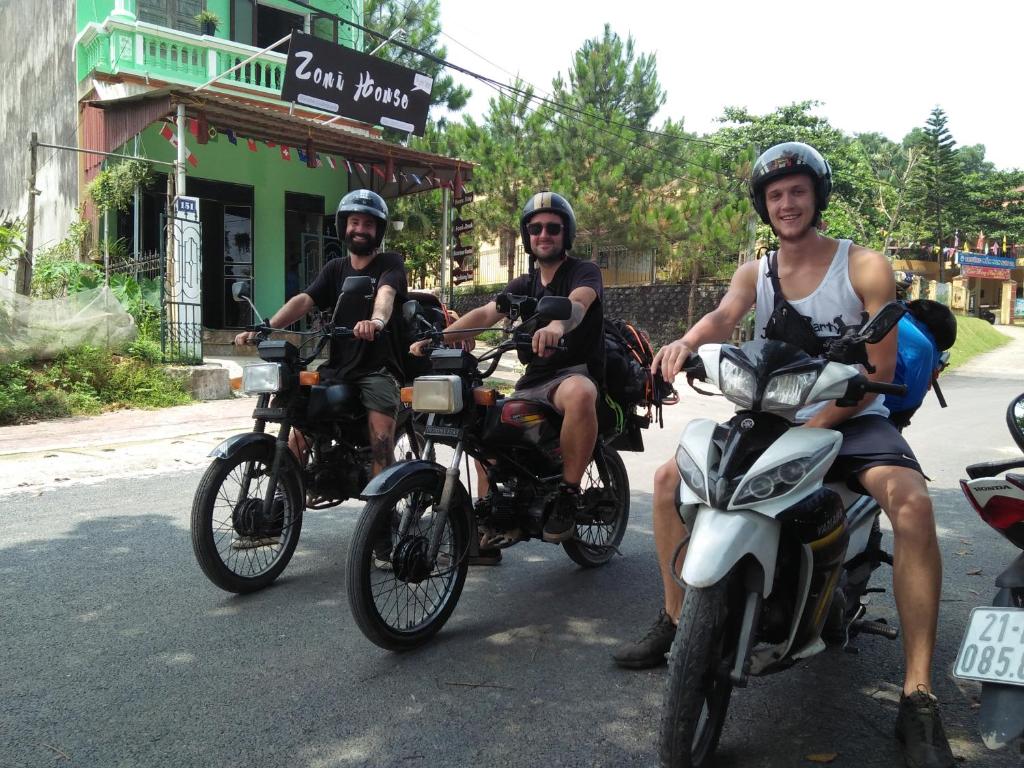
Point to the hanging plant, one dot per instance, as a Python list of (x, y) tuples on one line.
[(114, 187), (208, 22)]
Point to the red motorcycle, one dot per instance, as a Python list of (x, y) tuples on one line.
[(992, 650)]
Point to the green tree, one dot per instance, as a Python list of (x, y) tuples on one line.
[(937, 185), (505, 147), (598, 153)]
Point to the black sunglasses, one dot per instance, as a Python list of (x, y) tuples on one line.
[(551, 227)]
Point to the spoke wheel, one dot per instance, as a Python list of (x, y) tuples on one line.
[(398, 596), (595, 542), (238, 546), (699, 687)]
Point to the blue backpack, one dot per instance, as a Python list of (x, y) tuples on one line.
[(920, 356)]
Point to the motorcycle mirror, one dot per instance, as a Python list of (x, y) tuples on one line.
[(411, 310), (502, 302), (554, 308), (878, 327), (1015, 420), (362, 285)]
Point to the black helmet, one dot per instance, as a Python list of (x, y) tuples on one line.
[(939, 320), (547, 202), (362, 201), (784, 160)]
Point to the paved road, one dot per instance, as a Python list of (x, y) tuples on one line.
[(116, 650)]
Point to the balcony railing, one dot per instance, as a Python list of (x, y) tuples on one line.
[(163, 54)]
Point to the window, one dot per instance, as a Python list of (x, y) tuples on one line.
[(176, 14)]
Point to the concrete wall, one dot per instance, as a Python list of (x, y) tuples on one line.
[(38, 95), (658, 309)]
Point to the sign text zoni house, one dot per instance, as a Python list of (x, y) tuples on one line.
[(344, 82)]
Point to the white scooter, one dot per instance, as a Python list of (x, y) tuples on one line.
[(778, 561)]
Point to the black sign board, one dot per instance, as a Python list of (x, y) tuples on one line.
[(463, 251), (462, 275), (467, 197), (462, 226), (345, 82)]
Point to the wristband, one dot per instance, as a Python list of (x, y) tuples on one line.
[(378, 320)]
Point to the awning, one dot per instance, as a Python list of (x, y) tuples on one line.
[(390, 169)]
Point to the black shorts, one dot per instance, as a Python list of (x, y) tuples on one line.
[(869, 441)]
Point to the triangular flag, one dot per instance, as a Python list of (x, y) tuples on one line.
[(270, 144), (251, 143), (378, 170), (330, 162), (416, 179), (231, 136), (193, 126), (303, 157), (348, 166), (286, 153), (362, 168), (192, 159)]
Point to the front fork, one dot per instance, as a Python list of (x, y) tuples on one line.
[(280, 446)]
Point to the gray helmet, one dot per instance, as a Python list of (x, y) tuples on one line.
[(548, 202), (786, 159), (362, 201)]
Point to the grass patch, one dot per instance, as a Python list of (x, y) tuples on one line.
[(974, 336), (84, 381)]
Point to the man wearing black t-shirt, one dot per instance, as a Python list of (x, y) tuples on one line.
[(567, 380), (370, 363)]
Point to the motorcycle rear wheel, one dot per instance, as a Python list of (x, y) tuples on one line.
[(595, 543), (401, 601), (699, 687), (236, 550)]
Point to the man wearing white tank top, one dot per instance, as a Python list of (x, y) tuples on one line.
[(831, 283)]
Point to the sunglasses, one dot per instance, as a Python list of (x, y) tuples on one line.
[(551, 227)]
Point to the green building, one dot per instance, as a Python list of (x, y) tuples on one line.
[(268, 174)]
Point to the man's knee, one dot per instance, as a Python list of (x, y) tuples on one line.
[(913, 513), (577, 393), (666, 483)]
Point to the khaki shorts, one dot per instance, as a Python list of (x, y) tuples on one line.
[(378, 391), (544, 392)]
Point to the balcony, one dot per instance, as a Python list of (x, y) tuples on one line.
[(163, 56)]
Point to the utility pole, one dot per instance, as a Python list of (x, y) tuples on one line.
[(23, 275)]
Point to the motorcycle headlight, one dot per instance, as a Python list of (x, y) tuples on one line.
[(437, 394), (788, 390), (691, 473), (736, 383), (260, 378), (776, 480)]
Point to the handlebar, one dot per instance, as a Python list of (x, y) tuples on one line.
[(884, 388)]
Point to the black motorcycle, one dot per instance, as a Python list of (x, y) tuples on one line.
[(423, 514), (247, 510)]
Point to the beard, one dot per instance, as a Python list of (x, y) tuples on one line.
[(362, 246), (552, 259)]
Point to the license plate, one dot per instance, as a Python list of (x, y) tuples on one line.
[(993, 647)]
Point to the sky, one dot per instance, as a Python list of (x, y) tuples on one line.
[(876, 66)]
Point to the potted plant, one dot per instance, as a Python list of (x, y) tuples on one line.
[(208, 22)]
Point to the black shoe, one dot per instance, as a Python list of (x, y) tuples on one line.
[(651, 649), (919, 730), (561, 523)]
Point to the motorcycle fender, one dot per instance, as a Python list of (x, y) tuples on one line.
[(719, 540), (1001, 717), (396, 473), (1013, 576), (235, 443)]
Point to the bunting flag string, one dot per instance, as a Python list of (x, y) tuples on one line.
[(167, 131)]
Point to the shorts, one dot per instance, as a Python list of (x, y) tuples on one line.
[(543, 392), (869, 441), (378, 390)]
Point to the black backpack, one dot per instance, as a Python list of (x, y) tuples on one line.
[(628, 357), (434, 312)]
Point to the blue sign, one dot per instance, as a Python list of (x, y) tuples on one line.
[(1018, 307), (986, 260)]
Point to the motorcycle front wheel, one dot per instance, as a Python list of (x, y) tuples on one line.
[(608, 504), (239, 547), (399, 596), (699, 686)]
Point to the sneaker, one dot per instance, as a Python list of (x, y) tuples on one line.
[(919, 730), (382, 555), (650, 650), (561, 523)]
